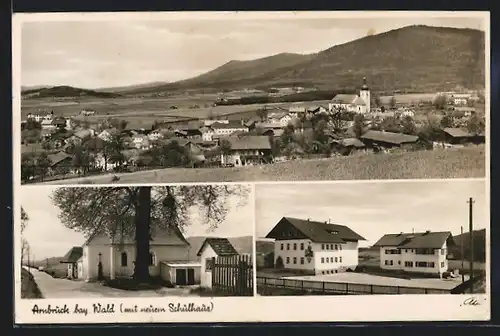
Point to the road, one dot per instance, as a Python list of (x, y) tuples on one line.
[(54, 288)]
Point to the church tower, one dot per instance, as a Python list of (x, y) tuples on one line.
[(364, 93)]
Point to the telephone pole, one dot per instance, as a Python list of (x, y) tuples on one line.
[(471, 235), (462, 251), (28, 253)]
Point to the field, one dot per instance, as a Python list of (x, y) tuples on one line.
[(370, 279), (467, 162)]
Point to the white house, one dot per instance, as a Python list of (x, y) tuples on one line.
[(213, 248), (226, 129), (141, 141), (460, 98), (279, 116), (155, 135), (71, 260), (107, 134), (117, 255), (424, 252), (314, 247), (359, 103)]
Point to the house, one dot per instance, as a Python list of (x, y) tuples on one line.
[(80, 136), (347, 146), (358, 103), (297, 111), (423, 252), (60, 162), (155, 135), (317, 109), (279, 116), (314, 247), (47, 124), (246, 150), (374, 139), (71, 259), (116, 255), (456, 136), (59, 122), (460, 98), (213, 248), (141, 141), (87, 112), (228, 128), (207, 133), (108, 134)]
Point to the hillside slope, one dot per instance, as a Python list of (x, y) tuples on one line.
[(413, 58), (66, 92), (479, 245)]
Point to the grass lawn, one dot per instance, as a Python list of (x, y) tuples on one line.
[(29, 288), (467, 162)]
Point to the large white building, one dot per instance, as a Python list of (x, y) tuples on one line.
[(423, 252), (314, 247), (358, 103)]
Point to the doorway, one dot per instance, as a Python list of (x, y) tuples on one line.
[(180, 277), (190, 276)]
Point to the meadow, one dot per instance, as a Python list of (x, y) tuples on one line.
[(466, 162)]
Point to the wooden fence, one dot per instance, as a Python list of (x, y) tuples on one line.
[(233, 275), (266, 286)]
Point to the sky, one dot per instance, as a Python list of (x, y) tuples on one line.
[(98, 54), (48, 237), (373, 209)]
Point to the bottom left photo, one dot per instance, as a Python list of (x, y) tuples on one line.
[(137, 241)]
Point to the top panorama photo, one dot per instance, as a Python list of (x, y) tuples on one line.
[(236, 97)]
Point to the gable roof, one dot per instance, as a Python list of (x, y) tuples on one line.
[(344, 98), (163, 236), (320, 232), (249, 142), (457, 132), (58, 157), (221, 246), (414, 240), (230, 124), (73, 255), (389, 137)]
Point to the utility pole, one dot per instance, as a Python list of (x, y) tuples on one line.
[(471, 235), (28, 253), (462, 251)]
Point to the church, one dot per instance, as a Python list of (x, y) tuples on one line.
[(358, 103)]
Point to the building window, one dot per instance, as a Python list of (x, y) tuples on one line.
[(152, 259), (443, 251), (322, 260), (301, 246), (408, 263), (287, 260), (282, 246), (399, 262), (124, 259), (340, 259), (208, 264), (331, 247), (327, 260), (327, 246), (322, 272), (294, 260), (430, 264), (424, 264), (442, 264), (340, 247), (336, 247), (288, 246), (386, 262), (331, 259), (386, 251), (294, 246), (322, 246), (302, 260)]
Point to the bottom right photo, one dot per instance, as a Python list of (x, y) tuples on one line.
[(373, 237)]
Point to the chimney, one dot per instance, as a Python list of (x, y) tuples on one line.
[(329, 222), (412, 230)]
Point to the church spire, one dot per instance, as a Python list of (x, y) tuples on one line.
[(365, 86)]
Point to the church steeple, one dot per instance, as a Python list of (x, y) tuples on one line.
[(365, 86)]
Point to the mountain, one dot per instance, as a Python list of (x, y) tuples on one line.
[(413, 59), (479, 245), (33, 87), (242, 244), (264, 246), (66, 92)]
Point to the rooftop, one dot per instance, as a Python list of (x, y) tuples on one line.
[(389, 137), (426, 239), (221, 246)]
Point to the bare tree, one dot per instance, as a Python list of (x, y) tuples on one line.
[(138, 211), (24, 242)]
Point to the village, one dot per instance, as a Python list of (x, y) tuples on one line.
[(346, 125)]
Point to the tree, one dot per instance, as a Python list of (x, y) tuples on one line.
[(475, 124), (42, 165), (392, 102), (408, 125), (440, 102), (262, 114), (336, 122), (27, 166), (376, 100), (225, 147), (24, 219), (446, 121), (24, 242), (390, 124), (359, 125), (139, 211)]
